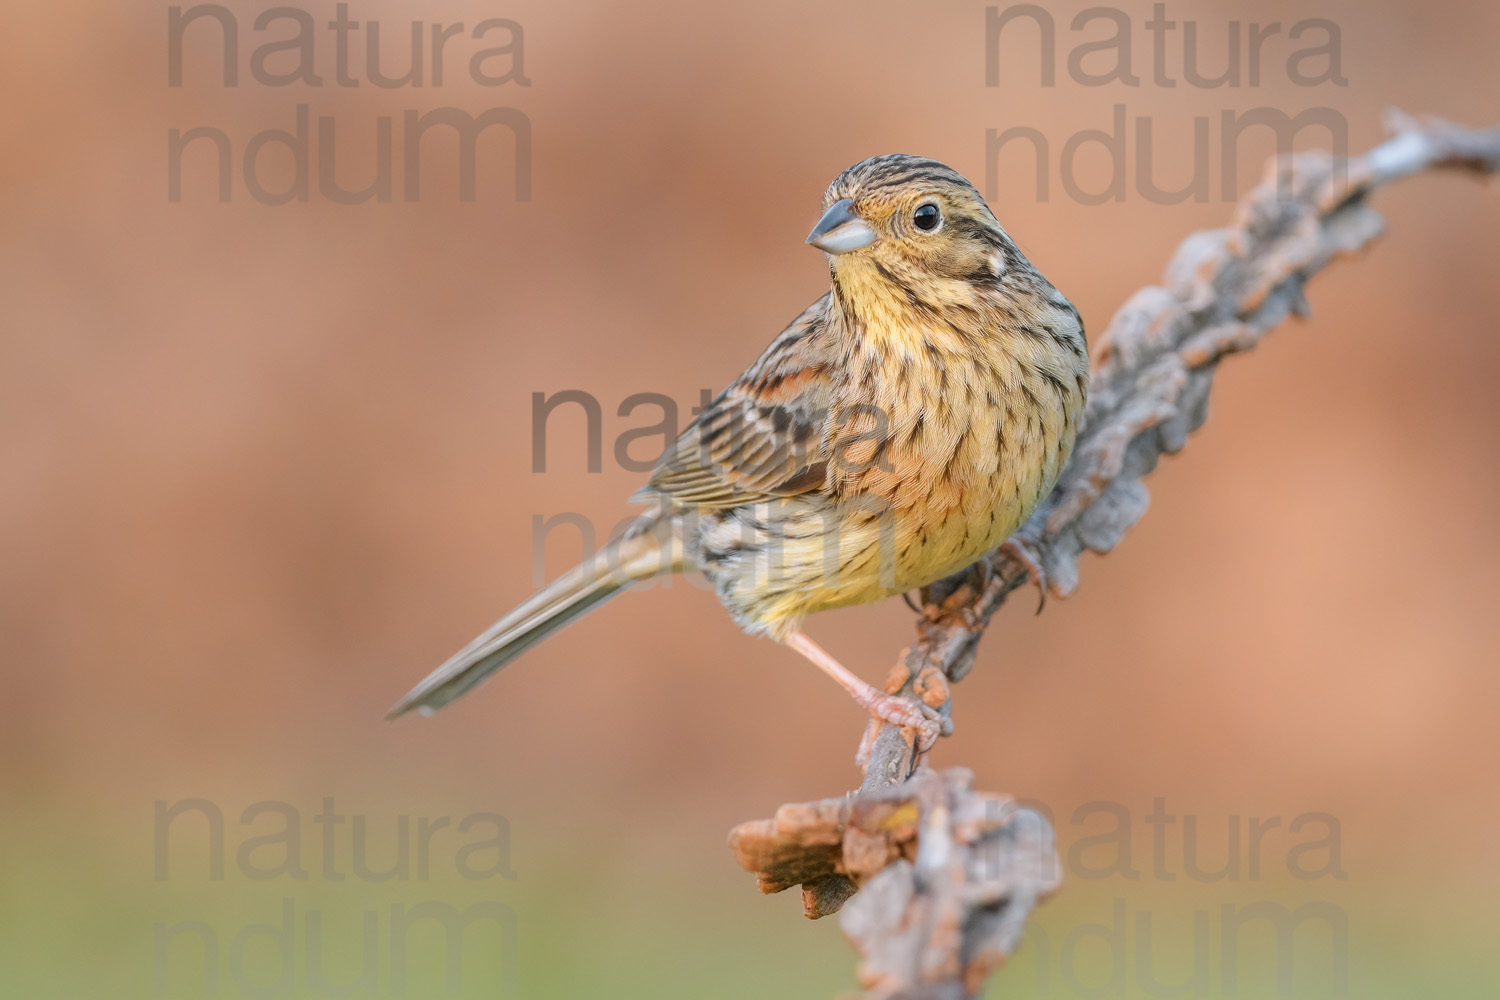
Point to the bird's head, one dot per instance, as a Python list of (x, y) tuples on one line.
[(907, 218)]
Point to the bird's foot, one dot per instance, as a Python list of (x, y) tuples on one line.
[(927, 721), (1024, 551), (931, 691), (924, 724)]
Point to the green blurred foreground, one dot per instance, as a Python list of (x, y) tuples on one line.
[(85, 914)]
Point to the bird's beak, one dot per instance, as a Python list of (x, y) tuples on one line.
[(840, 230)]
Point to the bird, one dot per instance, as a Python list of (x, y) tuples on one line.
[(901, 428)]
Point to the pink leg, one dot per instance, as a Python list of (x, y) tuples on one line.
[(887, 708)]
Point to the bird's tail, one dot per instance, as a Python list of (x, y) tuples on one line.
[(634, 557)]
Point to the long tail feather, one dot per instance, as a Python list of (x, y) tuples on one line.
[(577, 591)]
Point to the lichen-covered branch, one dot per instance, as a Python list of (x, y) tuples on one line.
[(946, 877), (925, 921)]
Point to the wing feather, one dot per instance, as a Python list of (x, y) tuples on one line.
[(764, 436)]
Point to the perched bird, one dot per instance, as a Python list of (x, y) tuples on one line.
[(902, 427)]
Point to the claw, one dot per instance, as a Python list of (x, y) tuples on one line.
[(933, 725), (1023, 551), (924, 732)]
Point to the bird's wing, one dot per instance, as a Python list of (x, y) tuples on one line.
[(764, 436)]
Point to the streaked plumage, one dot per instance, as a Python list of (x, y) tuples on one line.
[(901, 427)]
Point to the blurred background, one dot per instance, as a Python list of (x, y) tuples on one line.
[(266, 465)]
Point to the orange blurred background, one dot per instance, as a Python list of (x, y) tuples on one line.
[(265, 466)]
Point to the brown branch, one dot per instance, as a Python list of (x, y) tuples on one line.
[(943, 895)]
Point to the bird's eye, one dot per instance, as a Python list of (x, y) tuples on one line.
[(927, 217)]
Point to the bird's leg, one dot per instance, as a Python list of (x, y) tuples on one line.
[(883, 707), (1024, 551)]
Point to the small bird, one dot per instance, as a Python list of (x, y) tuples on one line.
[(901, 428)]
